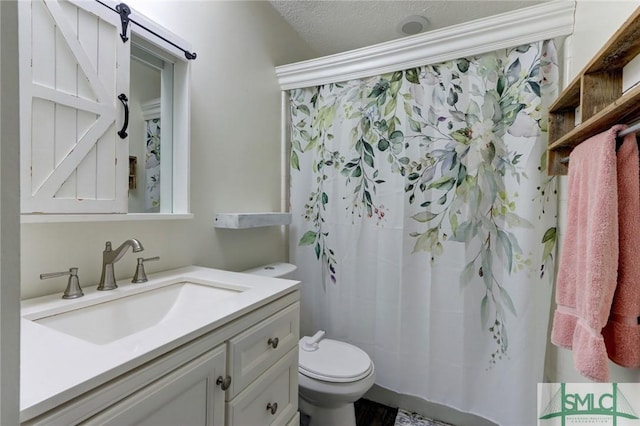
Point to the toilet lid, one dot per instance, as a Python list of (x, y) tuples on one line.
[(334, 361)]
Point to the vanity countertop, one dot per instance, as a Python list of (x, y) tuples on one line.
[(56, 367)]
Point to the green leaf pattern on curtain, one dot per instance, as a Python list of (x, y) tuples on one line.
[(442, 128)]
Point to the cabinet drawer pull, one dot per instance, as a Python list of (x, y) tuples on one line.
[(272, 407), (273, 342), (224, 383)]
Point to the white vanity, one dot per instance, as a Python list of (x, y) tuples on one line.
[(192, 346)]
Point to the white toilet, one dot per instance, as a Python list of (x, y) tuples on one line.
[(332, 375)]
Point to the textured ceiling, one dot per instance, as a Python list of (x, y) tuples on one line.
[(337, 26)]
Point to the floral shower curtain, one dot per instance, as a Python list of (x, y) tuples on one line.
[(424, 225), (152, 166)]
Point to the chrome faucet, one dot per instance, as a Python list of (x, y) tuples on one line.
[(109, 257)]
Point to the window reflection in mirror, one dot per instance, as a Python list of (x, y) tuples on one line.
[(150, 131)]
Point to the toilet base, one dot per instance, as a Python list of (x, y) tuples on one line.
[(343, 415)]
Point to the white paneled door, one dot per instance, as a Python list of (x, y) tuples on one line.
[(73, 68)]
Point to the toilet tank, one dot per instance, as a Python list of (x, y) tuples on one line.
[(274, 270)]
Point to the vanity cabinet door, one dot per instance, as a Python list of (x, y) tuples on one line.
[(187, 396), (73, 68)]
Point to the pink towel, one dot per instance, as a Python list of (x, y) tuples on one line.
[(622, 333), (588, 266)]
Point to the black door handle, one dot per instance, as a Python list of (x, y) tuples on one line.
[(123, 132)]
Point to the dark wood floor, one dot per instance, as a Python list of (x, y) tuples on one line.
[(369, 413)]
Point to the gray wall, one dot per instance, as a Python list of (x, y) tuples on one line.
[(9, 219)]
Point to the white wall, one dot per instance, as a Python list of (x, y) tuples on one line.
[(235, 155), (595, 23)]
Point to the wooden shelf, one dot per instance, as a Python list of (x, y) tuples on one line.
[(597, 91), (133, 172)]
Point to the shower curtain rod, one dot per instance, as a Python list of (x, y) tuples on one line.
[(631, 129)]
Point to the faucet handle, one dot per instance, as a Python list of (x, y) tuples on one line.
[(73, 289), (140, 276)]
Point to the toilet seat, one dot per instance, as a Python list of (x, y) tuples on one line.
[(334, 361)]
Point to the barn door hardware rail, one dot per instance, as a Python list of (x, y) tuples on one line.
[(124, 11)]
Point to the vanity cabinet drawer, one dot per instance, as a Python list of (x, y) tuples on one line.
[(252, 352), (270, 400)]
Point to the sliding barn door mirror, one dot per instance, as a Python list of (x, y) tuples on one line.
[(100, 84)]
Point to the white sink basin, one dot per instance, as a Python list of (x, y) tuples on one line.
[(69, 346), (111, 320)]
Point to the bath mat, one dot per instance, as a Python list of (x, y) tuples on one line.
[(405, 418)]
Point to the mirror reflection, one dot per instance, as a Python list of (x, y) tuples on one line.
[(150, 89)]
